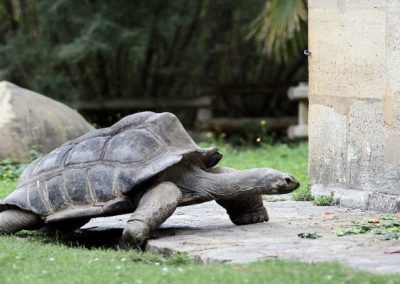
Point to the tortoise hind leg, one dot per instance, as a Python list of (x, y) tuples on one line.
[(14, 220), (244, 210), (155, 206)]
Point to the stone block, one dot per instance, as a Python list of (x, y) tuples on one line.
[(365, 4), (359, 199), (354, 199), (393, 49), (347, 197), (322, 4), (384, 202), (366, 150), (342, 64), (327, 145), (392, 150), (391, 112)]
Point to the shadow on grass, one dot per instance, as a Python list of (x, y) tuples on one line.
[(89, 239), (108, 239)]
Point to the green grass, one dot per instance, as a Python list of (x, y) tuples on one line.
[(6, 186), (34, 258), (26, 260)]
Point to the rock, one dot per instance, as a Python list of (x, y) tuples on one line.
[(205, 232), (28, 119)]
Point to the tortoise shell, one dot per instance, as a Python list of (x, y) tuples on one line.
[(92, 175)]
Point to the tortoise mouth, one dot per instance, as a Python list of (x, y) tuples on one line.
[(291, 184), (295, 185)]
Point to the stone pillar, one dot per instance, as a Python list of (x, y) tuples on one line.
[(354, 95), (299, 94)]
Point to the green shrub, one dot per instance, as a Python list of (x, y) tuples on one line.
[(10, 169), (325, 200), (302, 194)]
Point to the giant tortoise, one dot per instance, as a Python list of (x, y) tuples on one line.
[(146, 164)]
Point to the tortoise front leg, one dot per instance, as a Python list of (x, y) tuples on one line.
[(155, 206), (245, 209)]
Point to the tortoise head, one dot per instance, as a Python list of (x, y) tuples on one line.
[(276, 182)]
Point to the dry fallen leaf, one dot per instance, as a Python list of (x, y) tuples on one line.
[(392, 251), (397, 215), (328, 214), (374, 220)]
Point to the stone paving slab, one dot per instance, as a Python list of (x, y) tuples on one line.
[(205, 232)]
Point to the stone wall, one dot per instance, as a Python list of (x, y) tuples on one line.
[(354, 94)]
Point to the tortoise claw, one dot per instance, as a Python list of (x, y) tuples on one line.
[(259, 216), (134, 235)]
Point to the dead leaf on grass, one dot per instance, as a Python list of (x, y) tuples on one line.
[(392, 251), (374, 220), (328, 214)]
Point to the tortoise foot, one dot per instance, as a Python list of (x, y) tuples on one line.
[(258, 216), (134, 235)]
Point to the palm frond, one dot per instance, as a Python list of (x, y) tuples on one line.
[(281, 28)]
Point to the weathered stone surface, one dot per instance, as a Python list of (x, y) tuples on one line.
[(28, 119), (348, 198), (327, 145), (346, 47), (359, 199), (384, 202), (354, 93), (366, 140), (205, 232)]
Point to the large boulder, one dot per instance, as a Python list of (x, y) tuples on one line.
[(28, 120)]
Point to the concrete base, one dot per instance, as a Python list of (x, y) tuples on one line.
[(359, 199), (205, 232)]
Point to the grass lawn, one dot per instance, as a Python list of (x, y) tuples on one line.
[(33, 258), (287, 158), (6, 187)]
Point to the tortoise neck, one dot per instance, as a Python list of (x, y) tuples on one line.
[(185, 176), (198, 185)]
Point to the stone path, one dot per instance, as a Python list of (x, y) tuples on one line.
[(205, 232)]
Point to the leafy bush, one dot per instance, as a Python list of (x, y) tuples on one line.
[(88, 51), (302, 194), (325, 200), (10, 169)]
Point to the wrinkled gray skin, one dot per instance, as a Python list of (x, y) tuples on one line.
[(146, 164)]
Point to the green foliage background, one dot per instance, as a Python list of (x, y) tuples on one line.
[(91, 50)]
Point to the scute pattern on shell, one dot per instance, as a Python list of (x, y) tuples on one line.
[(104, 165)]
